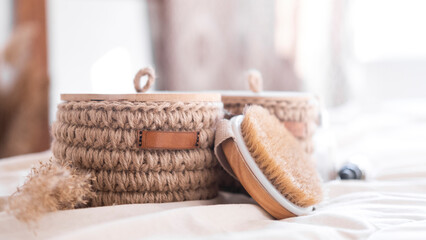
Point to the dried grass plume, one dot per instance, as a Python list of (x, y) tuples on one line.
[(49, 187)]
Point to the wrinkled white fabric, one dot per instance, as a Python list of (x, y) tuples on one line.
[(392, 205)]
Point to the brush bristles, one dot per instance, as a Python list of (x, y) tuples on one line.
[(280, 157)]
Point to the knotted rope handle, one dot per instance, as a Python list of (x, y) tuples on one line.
[(150, 73), (255, 80)]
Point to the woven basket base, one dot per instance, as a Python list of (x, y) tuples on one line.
[(111, 198)]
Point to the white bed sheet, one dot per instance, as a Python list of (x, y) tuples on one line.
[(390, 206)]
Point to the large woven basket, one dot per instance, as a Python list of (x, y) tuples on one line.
[(102, 135)]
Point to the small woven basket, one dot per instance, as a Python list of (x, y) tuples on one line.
[(141, 148), (298, 111)]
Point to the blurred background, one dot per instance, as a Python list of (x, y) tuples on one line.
[(346, 51)]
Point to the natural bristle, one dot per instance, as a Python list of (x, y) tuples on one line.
[(280, 157)]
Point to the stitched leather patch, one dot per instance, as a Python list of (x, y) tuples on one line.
[(168, 140), (298, 129)]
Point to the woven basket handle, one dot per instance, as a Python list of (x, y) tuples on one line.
[(255, 80), (150, 73)]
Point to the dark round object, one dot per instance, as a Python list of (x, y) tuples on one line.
[(350, 171)]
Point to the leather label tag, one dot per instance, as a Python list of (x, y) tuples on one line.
[(298, 129), (168, 140)]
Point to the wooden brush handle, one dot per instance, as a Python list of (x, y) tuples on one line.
[(250, 182)]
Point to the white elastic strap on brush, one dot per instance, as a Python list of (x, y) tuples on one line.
[(254, 168)]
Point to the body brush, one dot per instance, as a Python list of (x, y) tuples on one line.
[(269, 162)]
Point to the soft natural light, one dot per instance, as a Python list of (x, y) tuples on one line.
[(113, 72), (388, 29)]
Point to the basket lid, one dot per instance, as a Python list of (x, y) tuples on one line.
[(146, 97), (255, 82), (231, 96), (142, 96)]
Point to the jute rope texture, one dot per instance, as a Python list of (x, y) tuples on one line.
[(100, 138)]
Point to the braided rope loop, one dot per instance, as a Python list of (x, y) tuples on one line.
[(150, 73), (255, 81)]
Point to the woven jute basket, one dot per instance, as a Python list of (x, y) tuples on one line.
[(141, 148), (298, 111)]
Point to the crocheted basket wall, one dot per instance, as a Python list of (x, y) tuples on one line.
[(102, 135)]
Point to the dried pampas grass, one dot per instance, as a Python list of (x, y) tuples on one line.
[(50, 187)]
